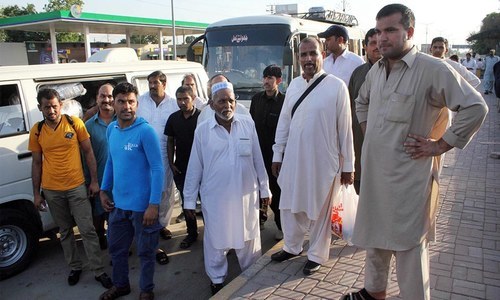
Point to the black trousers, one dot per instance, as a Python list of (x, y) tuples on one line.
[(275, 203), (191, 224)]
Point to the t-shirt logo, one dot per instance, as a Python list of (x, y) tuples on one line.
[(69, 135), (130, 146)]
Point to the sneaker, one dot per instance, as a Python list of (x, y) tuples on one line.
[(74, 277), (104, 280), (279, 235), (216, 287)]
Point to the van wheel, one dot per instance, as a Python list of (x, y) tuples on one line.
[(18, 242)]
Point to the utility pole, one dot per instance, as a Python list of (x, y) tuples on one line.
[(426, 35), (173, 30)]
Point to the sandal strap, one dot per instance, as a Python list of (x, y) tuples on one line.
[(114, 292)]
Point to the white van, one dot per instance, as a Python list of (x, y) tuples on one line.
[(122, 54), (21, 225)]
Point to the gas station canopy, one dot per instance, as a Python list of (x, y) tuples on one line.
[(91, 23)]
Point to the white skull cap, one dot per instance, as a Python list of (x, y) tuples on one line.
[(220, 86)]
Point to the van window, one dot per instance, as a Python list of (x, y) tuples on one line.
[(78, 95), (11, 113), (173, 83)]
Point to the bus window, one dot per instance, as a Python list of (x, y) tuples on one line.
[(242, 47), (242, 54)]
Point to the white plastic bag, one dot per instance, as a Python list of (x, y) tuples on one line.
[(345, 206)]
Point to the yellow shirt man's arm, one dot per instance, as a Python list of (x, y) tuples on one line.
[(36, 178), (92, 165)]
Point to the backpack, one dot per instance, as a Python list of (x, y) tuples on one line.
[(40, 124)]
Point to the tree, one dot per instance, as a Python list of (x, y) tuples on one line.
[(488, 36), (19, 35), (55, 5), (22, 36)]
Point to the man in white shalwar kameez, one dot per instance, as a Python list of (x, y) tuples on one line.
[(155, 107), (308, 151), (400, 108), (227, 169)]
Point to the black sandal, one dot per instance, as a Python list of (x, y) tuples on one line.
[(359, 295), (161, 257), (187, 242)]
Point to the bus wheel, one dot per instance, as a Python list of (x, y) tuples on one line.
[(18, 242)]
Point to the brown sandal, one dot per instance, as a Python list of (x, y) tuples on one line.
[(115, 292), (146, 296)]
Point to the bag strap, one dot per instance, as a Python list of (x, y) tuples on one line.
[(306, 92), (40, 124)]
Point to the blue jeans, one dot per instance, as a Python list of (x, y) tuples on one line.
[(122, 227)]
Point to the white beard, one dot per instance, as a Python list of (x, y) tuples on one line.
[(224, 117)]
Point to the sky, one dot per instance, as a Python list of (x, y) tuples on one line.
[(450, 19)]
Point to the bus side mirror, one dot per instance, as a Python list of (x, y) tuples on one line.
[(190, 55), (287, 56)]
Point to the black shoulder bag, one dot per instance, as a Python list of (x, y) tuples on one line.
[(309, 89)]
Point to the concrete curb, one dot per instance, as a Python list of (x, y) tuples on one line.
[(248, 274)]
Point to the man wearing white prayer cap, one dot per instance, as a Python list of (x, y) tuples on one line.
[(208, 112), (227, 169)]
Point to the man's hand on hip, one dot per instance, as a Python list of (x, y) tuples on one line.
[(425, 147)]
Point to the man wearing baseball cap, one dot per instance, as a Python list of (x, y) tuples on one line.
[(341, 62)]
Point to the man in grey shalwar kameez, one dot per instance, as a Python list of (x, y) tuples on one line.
[(403, 108)]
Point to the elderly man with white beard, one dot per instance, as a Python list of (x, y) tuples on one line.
[(227, 169)]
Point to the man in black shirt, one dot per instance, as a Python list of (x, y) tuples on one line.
[(180, 135), (265, 110)]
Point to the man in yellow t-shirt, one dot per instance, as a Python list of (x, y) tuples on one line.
[(58, 171)]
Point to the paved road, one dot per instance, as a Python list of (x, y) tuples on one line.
[(183, 278)]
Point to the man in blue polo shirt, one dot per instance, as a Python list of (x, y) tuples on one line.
[(97, 126)]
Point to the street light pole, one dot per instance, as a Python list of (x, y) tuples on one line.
[(173, 30), (426, 36)]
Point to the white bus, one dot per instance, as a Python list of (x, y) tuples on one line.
[(240, 48)]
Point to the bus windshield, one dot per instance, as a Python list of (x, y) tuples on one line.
[(242, 53)]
